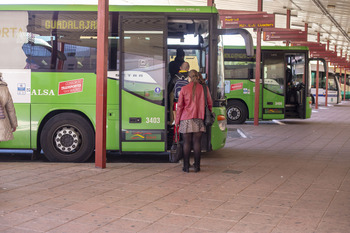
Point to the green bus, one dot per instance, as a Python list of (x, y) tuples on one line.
[(48, 59), (284, 89)]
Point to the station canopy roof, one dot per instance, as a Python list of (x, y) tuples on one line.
[(331, 18)]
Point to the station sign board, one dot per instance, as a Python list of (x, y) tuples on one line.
[(327, 55), (283, 34), (241, 20), (313, 46), (339, 61), (343, 65)]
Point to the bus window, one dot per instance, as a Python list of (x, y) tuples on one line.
[(332, 83), (143, 53), (297, 65), (274, 73), (63, 41), (239, 70), (238, 65)]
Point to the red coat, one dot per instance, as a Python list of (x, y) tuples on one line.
[(192, 109)]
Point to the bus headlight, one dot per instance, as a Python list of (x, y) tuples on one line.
[(222, 122)]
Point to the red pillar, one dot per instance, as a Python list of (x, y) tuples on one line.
[(288, 24), (345, 78), (210, 2), (344, 83), (101, 83), (317, 75), (257, 71), (306, 28), (341, 55), (326, 100)]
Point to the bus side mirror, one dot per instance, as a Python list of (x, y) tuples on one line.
[(248, 40)]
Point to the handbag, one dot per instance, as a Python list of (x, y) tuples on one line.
[(209, 117), (2, 113), (176, 151)]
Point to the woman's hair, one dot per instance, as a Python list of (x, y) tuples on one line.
[(196, 77)]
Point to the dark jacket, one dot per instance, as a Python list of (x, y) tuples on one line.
[(192, 109), (174, 66)]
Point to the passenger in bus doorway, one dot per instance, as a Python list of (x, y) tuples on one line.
[(174, 66), (181, 80), (8, 119), (189, 118)]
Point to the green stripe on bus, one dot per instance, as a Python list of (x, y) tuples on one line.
[(182, 9)]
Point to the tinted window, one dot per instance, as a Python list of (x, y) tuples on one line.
[(62, 41)]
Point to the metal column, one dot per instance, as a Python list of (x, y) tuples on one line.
[(101, 83), (257, 70)]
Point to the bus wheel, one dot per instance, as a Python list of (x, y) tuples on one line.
[(236, 112), (67, 137)]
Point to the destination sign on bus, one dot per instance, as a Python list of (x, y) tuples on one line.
[(71, 24), (237, 56), (261, 20)]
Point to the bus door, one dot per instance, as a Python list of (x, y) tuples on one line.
[(142, 84), (273, 91)]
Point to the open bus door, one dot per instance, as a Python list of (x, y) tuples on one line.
[(273, 80), (142, 83), (285, 82)]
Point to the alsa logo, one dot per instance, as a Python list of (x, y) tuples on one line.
[(42, 92)]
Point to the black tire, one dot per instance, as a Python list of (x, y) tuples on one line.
[(67, 137), (236, 112)]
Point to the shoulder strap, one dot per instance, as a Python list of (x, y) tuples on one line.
[(205, 94)]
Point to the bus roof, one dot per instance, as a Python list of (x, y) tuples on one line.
[(271, 47), (122, 8)]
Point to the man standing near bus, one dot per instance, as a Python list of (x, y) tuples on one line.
[(181, 80), (174, 68)]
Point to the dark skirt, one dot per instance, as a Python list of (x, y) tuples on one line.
[(192, 126)]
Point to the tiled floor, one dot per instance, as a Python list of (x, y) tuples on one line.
[(288, 177)]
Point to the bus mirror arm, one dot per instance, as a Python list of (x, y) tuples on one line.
[(248, 40), (321, 60)]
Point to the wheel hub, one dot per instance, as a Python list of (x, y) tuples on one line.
[(67, 139), (234, 113)]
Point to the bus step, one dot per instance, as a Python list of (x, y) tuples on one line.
[(291, 111)]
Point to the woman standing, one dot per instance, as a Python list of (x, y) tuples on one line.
[(8, 119), (189, 117)]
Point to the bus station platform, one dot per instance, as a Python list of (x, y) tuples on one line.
[(282, 177)]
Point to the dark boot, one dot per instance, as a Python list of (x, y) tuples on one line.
[(196, 165), (186, 166)]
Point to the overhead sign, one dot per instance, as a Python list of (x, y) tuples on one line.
[(258, 20), (313, 46), (282, 34), (324, 54)]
